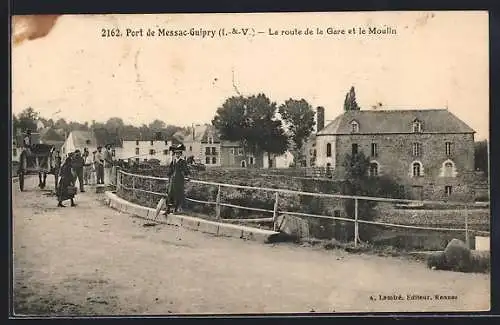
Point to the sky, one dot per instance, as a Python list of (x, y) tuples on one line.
[(435, 60)]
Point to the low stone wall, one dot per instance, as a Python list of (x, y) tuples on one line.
[(193, 223)]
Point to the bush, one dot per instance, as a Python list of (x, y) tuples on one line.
[(360, 184)]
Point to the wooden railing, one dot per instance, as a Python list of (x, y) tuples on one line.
[(275, 212)]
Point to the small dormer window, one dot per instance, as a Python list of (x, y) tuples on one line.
[(354, 127), (210, 140), (417, 126)]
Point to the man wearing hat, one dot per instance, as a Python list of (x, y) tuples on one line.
[(99, 166), (177, 171)]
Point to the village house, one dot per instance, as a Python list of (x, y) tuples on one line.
[(203, 143), (309, 150), (430, 152), (141, 150), (91, 139)]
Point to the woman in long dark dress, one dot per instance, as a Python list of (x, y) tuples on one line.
[(66, 187), (177, 171)]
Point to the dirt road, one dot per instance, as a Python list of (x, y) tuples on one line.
[(91, 260)]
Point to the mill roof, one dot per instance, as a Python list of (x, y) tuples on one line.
[(396, 121)]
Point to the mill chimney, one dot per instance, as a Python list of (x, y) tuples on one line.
[(320, 118)]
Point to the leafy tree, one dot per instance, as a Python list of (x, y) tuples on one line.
[(145, 132), (27, 119), (273, 139), (350, 103), (77, 126), (481, 156), (157, 125), (114, 124), (170, 130), (299, 118), (61, 124), (250, 121)]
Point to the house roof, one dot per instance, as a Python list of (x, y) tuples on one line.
[(200, 132), (97, 137), (397, 121)]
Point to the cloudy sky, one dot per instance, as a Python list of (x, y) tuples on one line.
[(435, 60)]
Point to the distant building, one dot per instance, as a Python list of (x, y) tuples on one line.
[(204, 144), (80, 139), (144, 150), (309, 150), (429, 151), (278, 161)]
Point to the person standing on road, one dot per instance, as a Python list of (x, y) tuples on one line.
[(66, 189), (78, 164), (87, 166), (177, 171), (108, 164), (57, 168), (99, 165), (93, 169)]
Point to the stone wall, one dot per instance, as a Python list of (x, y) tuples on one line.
[(395, 158)]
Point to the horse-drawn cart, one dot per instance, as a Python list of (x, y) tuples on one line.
[(37, 160)]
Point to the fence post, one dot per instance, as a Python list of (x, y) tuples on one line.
[(356, 229), (133, 183), (275, 210), (217, 207)]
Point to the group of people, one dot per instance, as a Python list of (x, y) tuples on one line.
[(77, 166), (97, 168), (84, 167)]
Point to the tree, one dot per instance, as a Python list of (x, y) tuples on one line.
[(77, 126), (251, 121), (170, 130), (350, 103), (61, 124), (481, 156), (113, 124), (273, 139), (299, 118), (156, 125), (27, 119)]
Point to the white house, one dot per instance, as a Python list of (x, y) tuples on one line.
[(141, 150), (80, 139), (39, 125), (281, 161)]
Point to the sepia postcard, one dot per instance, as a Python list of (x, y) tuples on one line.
[(252, 163)]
